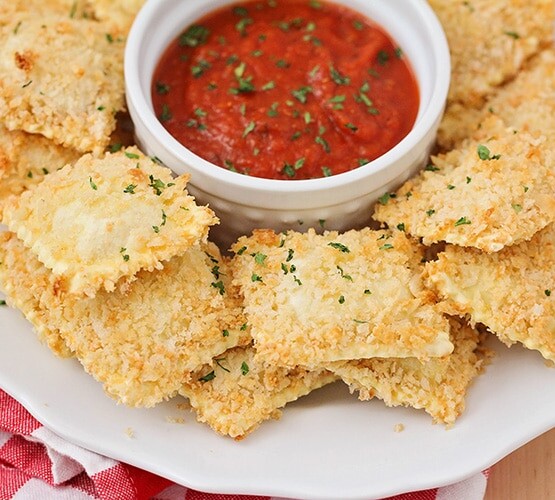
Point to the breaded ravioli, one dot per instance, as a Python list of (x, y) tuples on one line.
[(104, 219), (311, 299), (490, 40), (139, 342), (511, 292), (61, 77), (489, 193), (237, 392), (25, 159), (29, 288), (527, 104), (438, 386)]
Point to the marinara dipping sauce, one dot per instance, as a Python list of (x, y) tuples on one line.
[(286, 89)]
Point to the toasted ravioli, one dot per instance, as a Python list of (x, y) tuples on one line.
[(527, 103), (105, 219), (61, 77), (510, 292), (237, 393), (489, 193), (32, 290), (438, 386), (25, 159), (311, 299), (137, 342), (490, 40)]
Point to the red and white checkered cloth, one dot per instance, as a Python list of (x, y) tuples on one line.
[(36, 464)]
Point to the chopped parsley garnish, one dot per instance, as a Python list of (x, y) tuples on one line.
[(157, 184), (166, 114), (401, 227), (92, 184), (248, 129), (512, 34), (290, 253), (462, 221), (430, 212), (338, 77), (273, 112), (225, 333), (352, 127), (194, 36), (339, 246), (241, 251), (219, 285), (301, 94), (255, 277), (320, 140), (269, 86), (326, 171), (358, 25), (383, 57), (348, 277), (431, 168), (260, 258), (384, 199), (516, 207), (398, 52), (282, 63), (114, 148), (208, 377), (241, 26), (124, 254), (2, 302), (387, 246), (485, 154), (450, 187), (25, 85), (341, 299), (244, 368), (547, 293), (130, 189), (132, 156), (468, 180)]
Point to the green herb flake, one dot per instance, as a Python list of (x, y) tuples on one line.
[(352, 127), (516, 207), (322, 142), (485, 154), (341, 299), (547, 293), (241, 26), (130, 189), (384, 199), (260, 258), (358, 25), (194, 36), (219, 285), (2, 302), (383, 57), (468, 180), (348, 277), (124, 254), (338, 77), (282, 63), (301, 94), (248, 129), (430, 212), (208, 377), (431, 168), (225, 333), (255, 278), (401, 227), (165, 115), (244, 368), (450, 187), (387, 246), (269, 86), (462, 222), (92, 184), (339, 246), (398, 52), (512, 34), (326, 172)]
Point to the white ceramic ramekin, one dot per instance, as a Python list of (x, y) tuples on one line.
[(243, 203)]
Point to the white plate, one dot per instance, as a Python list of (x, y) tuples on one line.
[(326, 446)]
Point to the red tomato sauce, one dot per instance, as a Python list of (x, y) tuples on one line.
[(286, 89)]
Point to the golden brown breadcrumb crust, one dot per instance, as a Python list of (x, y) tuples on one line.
[(491, 192), (236, 393), (121, 213), (438, 386), (511, 292), (311, 299)]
